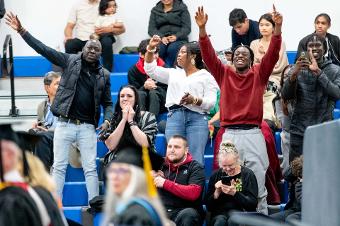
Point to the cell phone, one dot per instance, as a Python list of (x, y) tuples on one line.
[(304, 56), (226, 180)]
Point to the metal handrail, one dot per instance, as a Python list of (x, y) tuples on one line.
[(8, 70)]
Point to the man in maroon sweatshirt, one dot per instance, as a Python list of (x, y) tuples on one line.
[(180, 184), (241, 100)]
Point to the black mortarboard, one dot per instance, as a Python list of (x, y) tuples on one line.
[(7, 133), (133, 156)]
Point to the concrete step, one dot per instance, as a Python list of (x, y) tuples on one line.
[(23, 86), (26, 105)]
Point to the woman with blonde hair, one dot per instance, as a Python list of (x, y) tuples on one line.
[(127, 200), (45, 187), (232, 187)]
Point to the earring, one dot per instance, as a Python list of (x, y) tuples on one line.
[(193, 62)]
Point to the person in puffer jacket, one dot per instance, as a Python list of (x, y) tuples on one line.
[(314, 85), (180, 184)]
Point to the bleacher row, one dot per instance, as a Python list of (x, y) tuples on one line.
[(75, 194)]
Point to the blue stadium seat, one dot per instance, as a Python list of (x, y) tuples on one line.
[(98, 219), (336, 114), (75, 193), (118, 80), (77, 174), (337, 105), (101, 149), (208, 163), (291, 56), (278, 143), (123, 62), (73, 213), (31, 66), (160, 144)]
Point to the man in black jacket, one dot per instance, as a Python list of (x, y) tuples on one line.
[(83, 88), (314, 85), (180, 183)]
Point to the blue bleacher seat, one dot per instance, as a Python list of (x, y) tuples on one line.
[(291, 56), (31, 66), (101, 149), (77, 174), (75, 193), (337, 105), (278, 143), (160, 144), (73, 213), (208, 162), (118, 80), (336, 114), (123, 62), (98, 219)]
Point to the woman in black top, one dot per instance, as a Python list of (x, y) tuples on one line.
[(240, 193), (129, 128), (170, 19)]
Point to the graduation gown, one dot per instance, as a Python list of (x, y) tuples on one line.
[(18, 208)]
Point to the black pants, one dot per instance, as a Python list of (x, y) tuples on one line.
[(76, 45), (222, 220), (152, 100), (185, 217), (44, 149), (296, 146)]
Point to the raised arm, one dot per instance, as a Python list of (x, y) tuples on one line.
[(208, 53), (52, 55), (272, 56), (160, 74)]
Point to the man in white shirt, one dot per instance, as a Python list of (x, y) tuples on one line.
[(82, 19)]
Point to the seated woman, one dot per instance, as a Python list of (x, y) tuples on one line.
[(191, 94), (170, 19), (232, 187), (129, 128)]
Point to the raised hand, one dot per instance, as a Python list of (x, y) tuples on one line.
[(277, 17), (201, 17), (13, 21), (313, 66), (154, 41)]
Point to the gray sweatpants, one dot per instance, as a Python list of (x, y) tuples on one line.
[(253, 152)]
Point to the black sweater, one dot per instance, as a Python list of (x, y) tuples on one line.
[(245, 200), (175, 22)]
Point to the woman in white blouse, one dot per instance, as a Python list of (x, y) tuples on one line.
[(191, 93)]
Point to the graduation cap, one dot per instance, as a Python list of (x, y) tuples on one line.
[(7, 133), (146, 159)]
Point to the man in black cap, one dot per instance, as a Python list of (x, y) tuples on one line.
[(83, 89), (18, 201), (180, 183)]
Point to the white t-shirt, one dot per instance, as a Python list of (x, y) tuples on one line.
[(200, 84), (106, 20), (84, 15)]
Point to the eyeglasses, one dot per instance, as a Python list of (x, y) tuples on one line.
[(118, 171)]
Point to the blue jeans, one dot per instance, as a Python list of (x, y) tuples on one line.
[(85, 136), (169, 52), (193, 126)]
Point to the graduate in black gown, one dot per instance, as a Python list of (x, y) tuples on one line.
[(130, 199), (17, 207)]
